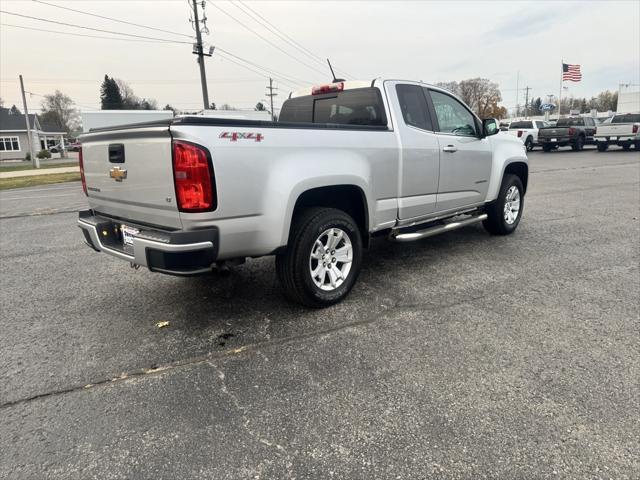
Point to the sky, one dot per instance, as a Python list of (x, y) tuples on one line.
[(516, 44)]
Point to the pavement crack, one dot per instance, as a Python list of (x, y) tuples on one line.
[(246, 420)]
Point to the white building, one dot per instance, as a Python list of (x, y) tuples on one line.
[(14, 144)]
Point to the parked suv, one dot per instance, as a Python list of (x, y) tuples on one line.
[(575, 132)]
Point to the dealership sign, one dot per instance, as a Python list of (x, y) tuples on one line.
[(547, 107)]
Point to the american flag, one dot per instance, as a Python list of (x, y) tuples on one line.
[(571, 72)]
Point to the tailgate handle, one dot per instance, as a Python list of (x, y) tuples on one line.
[(116, 153)]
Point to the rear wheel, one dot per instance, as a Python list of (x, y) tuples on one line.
[(529, 144), (546, 147), (578, 144), (323, 258), (602, 146), (505, 213), (626, 146)]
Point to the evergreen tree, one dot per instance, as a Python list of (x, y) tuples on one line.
[(110, 96), (14, 110)]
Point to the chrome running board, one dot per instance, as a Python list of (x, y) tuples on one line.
[(437, 229)]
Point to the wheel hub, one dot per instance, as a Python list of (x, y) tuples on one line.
[(512, 205), (330, 259)]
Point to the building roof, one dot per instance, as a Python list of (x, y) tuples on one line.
[(16, 122)]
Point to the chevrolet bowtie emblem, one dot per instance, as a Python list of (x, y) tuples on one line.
[(118, 174)]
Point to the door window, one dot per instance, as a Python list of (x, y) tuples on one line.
[(453, 117), (414, 106)]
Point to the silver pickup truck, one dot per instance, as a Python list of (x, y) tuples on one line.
[(345, 162)]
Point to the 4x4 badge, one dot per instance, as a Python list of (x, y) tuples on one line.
[(235, 136), (118, 174)]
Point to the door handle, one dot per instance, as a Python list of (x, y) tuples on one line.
[(450, 149)]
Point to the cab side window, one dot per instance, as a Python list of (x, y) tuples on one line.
[(414, 106), (453, 117)]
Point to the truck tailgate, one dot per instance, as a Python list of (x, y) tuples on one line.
[(129, 175), (615, 130)]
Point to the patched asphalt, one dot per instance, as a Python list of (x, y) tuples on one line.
[(459, 356)]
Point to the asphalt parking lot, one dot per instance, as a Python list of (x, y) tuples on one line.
[(459, 356)]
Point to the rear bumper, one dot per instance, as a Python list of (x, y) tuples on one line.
[(181, 253), (619, 140)]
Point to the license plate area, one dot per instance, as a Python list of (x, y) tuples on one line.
[(128, 234), (554, 139), (613, 138)]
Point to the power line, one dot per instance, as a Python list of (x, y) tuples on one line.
[(270, 26), (251, 69), (268, 70), (80, 34), (113, 19), (94, 29), (266, 39)]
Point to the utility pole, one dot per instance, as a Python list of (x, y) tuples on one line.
[(271, 95), (198, 51), (518, 94), (34, 160), (526, 102)]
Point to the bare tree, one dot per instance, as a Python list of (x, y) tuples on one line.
[(480, 94), (59, 109), (129, 100)]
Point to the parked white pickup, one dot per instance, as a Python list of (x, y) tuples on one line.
[(622, 130), (527, 131)]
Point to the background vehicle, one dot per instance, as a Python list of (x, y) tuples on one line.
[(58, 147), (347, 161), (622, 130), (571, 131), (527, 131), (74, 146)]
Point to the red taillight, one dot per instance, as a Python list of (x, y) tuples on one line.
[(635, 128), (192, 175), (81, 164), (520, 132), (572, 131), (328, 88)]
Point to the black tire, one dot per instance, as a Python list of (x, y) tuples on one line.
[(578, 144), (496, 223), (636, 145), (626, 146), (293, 266), (546, 147), (602, 147), (529, 144)]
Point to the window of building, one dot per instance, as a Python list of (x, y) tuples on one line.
[(9, 144)]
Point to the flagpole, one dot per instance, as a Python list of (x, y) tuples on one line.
[(560, 96)]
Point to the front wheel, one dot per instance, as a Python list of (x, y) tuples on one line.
[(323, 258), (602, 146), (505, 212)]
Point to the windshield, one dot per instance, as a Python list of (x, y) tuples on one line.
[(627, 118), (570, 122)]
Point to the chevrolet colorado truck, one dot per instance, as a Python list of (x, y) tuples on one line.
[(345, 162), (622, 130), (572, 131)]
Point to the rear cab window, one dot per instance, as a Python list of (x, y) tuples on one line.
[(627, 118), (570, 122), (516, 125), (359, 106)]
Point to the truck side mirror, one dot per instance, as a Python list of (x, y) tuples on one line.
[(490, 126)]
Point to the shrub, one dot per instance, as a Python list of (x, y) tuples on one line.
[(43, 154), (27, 157)]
